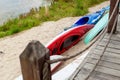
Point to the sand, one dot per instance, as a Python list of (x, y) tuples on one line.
[(12, 46)]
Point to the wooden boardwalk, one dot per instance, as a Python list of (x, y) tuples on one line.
[(109, 65)]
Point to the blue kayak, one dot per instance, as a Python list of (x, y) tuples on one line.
[(90, 19)]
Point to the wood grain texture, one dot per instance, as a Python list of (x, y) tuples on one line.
[(109, 64), (33, 62)]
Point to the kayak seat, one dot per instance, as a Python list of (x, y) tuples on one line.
[(82, 21)]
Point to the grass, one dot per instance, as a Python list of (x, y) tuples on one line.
[(60, 9)]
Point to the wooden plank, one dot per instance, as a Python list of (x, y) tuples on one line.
[(108, 71), (94, 56), (92, 60), (102, 76), (111, 41), (99, 47), (114, 37), (112, 55), (108, 49), (111, 59), (108, 54), (110, 45), (104, 63), (110, 65), (97, 51), (105, 58), (82, 75), (84, 72)]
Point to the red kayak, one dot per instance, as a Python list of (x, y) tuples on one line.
[(67, 39)]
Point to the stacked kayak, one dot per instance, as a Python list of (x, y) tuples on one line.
[(91, 18), (97, 28), (70, 36), (67, 39)]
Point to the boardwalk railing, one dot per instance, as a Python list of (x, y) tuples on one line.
[(112, 7), (33, 62), (35, 59)]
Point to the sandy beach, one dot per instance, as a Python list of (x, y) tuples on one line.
[(12, 46)]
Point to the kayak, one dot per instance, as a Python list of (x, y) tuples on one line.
[(90, 18), (96, 29), (67, 39)]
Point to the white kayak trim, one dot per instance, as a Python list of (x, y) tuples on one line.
[(68, 72)]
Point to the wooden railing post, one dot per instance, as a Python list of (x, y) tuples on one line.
[(110, 25), (33, 62)]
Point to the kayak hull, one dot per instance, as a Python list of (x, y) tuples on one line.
[(67, 39), (96, 29)]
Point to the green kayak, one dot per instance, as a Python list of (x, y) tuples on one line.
[(96, 29)]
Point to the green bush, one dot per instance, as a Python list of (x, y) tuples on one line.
[(81, 7)]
